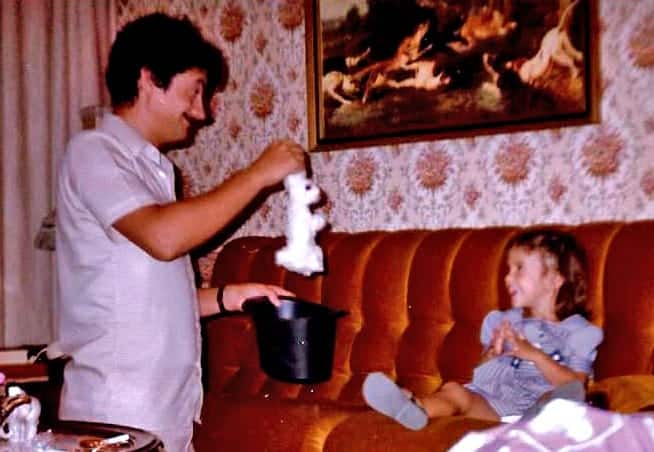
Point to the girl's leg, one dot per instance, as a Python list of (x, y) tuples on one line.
[(383, 395), (453, 399)]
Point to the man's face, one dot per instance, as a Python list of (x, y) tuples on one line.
[(179, 109)]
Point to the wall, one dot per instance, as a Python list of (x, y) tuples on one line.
[(567, 175)]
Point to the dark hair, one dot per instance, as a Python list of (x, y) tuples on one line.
[(569, 260), (166, 46)]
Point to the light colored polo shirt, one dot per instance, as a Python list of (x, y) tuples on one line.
[(130, 322)]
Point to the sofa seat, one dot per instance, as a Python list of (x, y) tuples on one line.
[(277, 425), (371, 432), (282, 425)]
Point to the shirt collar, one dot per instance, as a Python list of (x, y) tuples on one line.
[(130, 137)]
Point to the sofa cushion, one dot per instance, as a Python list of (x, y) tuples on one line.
[(276, 425), (625, 394), (373, 432), (266, 424)]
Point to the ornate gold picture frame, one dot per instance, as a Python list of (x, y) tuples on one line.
[(388, 71)]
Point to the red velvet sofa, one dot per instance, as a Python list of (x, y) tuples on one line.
[(416, 300)]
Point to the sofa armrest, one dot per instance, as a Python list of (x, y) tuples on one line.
[(624, 394)]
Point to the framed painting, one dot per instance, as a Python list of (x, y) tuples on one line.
[(389, 71)]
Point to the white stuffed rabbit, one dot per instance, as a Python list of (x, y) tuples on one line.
[(301, 253)]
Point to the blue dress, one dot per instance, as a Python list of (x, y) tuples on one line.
[(511, 385)]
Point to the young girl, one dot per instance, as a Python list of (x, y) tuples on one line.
[(544, 342)]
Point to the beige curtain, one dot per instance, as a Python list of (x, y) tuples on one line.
[(53, 54)]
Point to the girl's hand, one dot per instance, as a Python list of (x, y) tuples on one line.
[(497, 339), (519, 346), (487, 355)]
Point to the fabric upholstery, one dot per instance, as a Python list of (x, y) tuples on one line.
[(415, 302), (626, 393)]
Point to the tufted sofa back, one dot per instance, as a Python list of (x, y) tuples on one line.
[(416, 300)]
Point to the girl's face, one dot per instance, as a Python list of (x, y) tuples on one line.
[(532, 283)]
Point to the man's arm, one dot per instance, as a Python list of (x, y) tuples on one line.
[(235, 294), (172, 230)]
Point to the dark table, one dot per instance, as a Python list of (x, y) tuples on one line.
[(84, 436), (69, 432)]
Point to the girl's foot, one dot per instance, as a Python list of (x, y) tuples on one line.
[(383, 395)]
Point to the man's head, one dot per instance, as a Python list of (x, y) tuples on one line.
[(165, 46), (166, 66)]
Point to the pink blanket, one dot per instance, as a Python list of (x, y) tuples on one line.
[(564, 425)]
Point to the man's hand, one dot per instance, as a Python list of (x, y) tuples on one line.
[(279, 159), (235, 294)]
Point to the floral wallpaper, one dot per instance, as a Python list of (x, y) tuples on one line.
[(567, 175)]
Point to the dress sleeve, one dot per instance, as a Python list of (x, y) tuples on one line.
[(491, 321), (583, 344)]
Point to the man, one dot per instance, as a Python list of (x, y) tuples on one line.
[(129, 314)]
